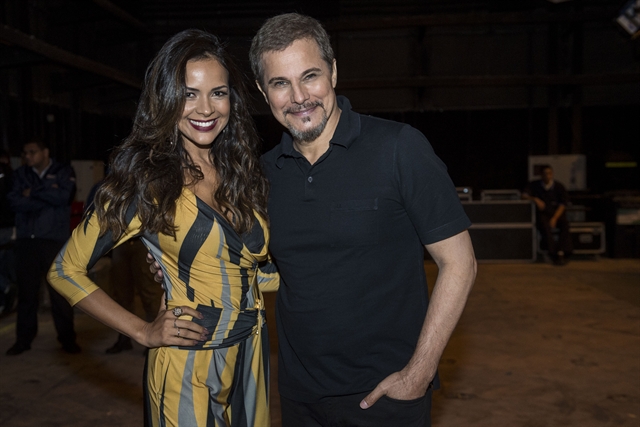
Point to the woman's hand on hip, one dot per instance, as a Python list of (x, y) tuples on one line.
[(169, 329)]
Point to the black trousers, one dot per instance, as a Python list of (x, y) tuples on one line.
[(130, 274), (33, 259), (564, 239), (345, 411)]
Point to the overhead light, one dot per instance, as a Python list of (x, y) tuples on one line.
[(629, 17)]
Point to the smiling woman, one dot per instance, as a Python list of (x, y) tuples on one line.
[(188, 181), (206, 108)]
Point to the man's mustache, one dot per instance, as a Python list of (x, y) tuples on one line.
[(305, 106)]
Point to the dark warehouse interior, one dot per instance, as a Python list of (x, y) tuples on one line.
[(488, 82), (493, 85)]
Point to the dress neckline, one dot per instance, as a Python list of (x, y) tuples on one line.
[(226, 225)]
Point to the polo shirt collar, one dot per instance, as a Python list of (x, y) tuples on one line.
[(45, 170), (347, 131)]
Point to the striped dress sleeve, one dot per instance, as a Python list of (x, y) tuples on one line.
[(69, 272)]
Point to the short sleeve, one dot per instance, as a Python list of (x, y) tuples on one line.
[(563, 197), (429, 196)]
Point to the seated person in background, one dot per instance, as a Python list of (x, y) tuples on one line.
[(551, 200)]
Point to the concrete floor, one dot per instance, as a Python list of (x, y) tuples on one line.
[(538, 345)]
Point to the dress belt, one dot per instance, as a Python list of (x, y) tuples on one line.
[(227, 328)]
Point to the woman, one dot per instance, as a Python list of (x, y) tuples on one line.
[(188, 182)]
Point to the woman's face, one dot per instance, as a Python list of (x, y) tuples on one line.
[(207, 105)]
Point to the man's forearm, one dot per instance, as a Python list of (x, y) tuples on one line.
[(558, 213), (457, 271), (24, 204)]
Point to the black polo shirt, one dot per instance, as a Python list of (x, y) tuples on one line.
[(347, 235), (553, 197)]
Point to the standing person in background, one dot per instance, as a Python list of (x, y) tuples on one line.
[(7, 237), (7, 217), (41, 196), (551, 199), (128, 275), (188, 182)]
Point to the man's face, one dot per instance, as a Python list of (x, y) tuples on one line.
[(34, 156), (547, 175), (299, 87)]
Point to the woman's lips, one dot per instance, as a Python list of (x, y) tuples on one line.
[(201, 126)]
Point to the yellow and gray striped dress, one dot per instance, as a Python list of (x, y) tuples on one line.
[(208, 266)]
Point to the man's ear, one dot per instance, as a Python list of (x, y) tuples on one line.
[(334, 74), (262, 92)]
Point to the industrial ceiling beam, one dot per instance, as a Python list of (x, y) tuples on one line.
[(492, 81), (466, 19), (249, 26), (68, 59), (122, 15)]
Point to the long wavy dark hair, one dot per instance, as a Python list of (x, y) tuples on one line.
[(148, 170)]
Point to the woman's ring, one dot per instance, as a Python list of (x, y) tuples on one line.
[(178, 331), (177, 311)]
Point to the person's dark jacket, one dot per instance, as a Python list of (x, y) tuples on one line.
[(6, 214), (46, 212)]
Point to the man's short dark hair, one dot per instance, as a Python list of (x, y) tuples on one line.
[(279, 32), (38, 141)]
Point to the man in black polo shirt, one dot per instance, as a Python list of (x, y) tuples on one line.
[(353, 201)]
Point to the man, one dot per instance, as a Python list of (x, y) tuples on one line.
[(354, 200), (7, 235), (551, 201), (41, 195)]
